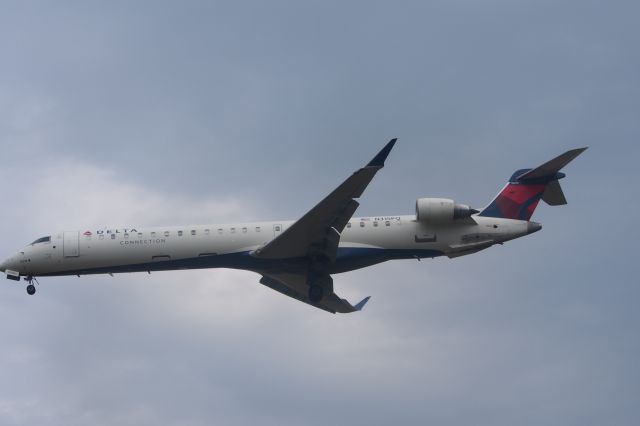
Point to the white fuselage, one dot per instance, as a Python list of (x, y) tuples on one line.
[(298, 258), (365, 241)]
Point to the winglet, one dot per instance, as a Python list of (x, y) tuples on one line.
[(378, 160), (363, 302)]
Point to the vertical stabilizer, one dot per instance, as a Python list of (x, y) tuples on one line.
[(520, 197)]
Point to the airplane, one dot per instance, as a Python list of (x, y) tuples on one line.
[(298, 258)]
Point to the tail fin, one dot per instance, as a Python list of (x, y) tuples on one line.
[(527, 187)]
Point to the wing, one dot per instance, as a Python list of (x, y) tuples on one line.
[(318, 232), (295, 286)]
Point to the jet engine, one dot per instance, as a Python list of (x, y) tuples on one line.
[(441, 210)]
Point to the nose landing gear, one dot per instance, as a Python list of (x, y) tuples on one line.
[(31, 289)]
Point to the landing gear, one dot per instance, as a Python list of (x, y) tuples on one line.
[(319, 281), (31, 289), (315, 293)]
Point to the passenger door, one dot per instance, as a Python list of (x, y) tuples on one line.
[(71, 244)]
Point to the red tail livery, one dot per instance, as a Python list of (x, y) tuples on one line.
[(527, 187)]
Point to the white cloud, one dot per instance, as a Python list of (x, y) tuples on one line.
[(78, 194)]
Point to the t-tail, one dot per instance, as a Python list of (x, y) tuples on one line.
[(520, 197)]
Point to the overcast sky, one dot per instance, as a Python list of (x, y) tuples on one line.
[(160, 113)]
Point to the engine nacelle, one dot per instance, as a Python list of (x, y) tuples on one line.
[(441, 210)]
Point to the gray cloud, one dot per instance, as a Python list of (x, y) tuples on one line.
[(163, 113)]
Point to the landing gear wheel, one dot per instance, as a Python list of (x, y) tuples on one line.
[(31, 289), (315, 293)]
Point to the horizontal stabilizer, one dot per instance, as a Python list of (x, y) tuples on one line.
[(553, 194), (551, 167)]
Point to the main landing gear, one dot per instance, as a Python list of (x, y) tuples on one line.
[(31, 289), (320, 285), (315, 293), (319, 281)]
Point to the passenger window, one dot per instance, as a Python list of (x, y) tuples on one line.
[(233, 230), (139, 234), (220, 231), (244, 230), (193, 232), (361, 224), (257, 229), (179, 233), (101, 237), (153, 235), (387, 223), (349, 225), (113, 236), (166, 233), (126, 236), (277, 229), (375, 224), (207, 232)]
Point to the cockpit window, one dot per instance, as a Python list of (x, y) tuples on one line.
[(42, 240)]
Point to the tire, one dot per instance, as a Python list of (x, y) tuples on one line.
[(31, 289)]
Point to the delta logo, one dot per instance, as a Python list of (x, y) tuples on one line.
[(87, 233)]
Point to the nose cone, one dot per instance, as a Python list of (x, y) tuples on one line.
[(8, 264), (533, 227)]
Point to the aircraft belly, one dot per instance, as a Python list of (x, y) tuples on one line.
[(240, 260)]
